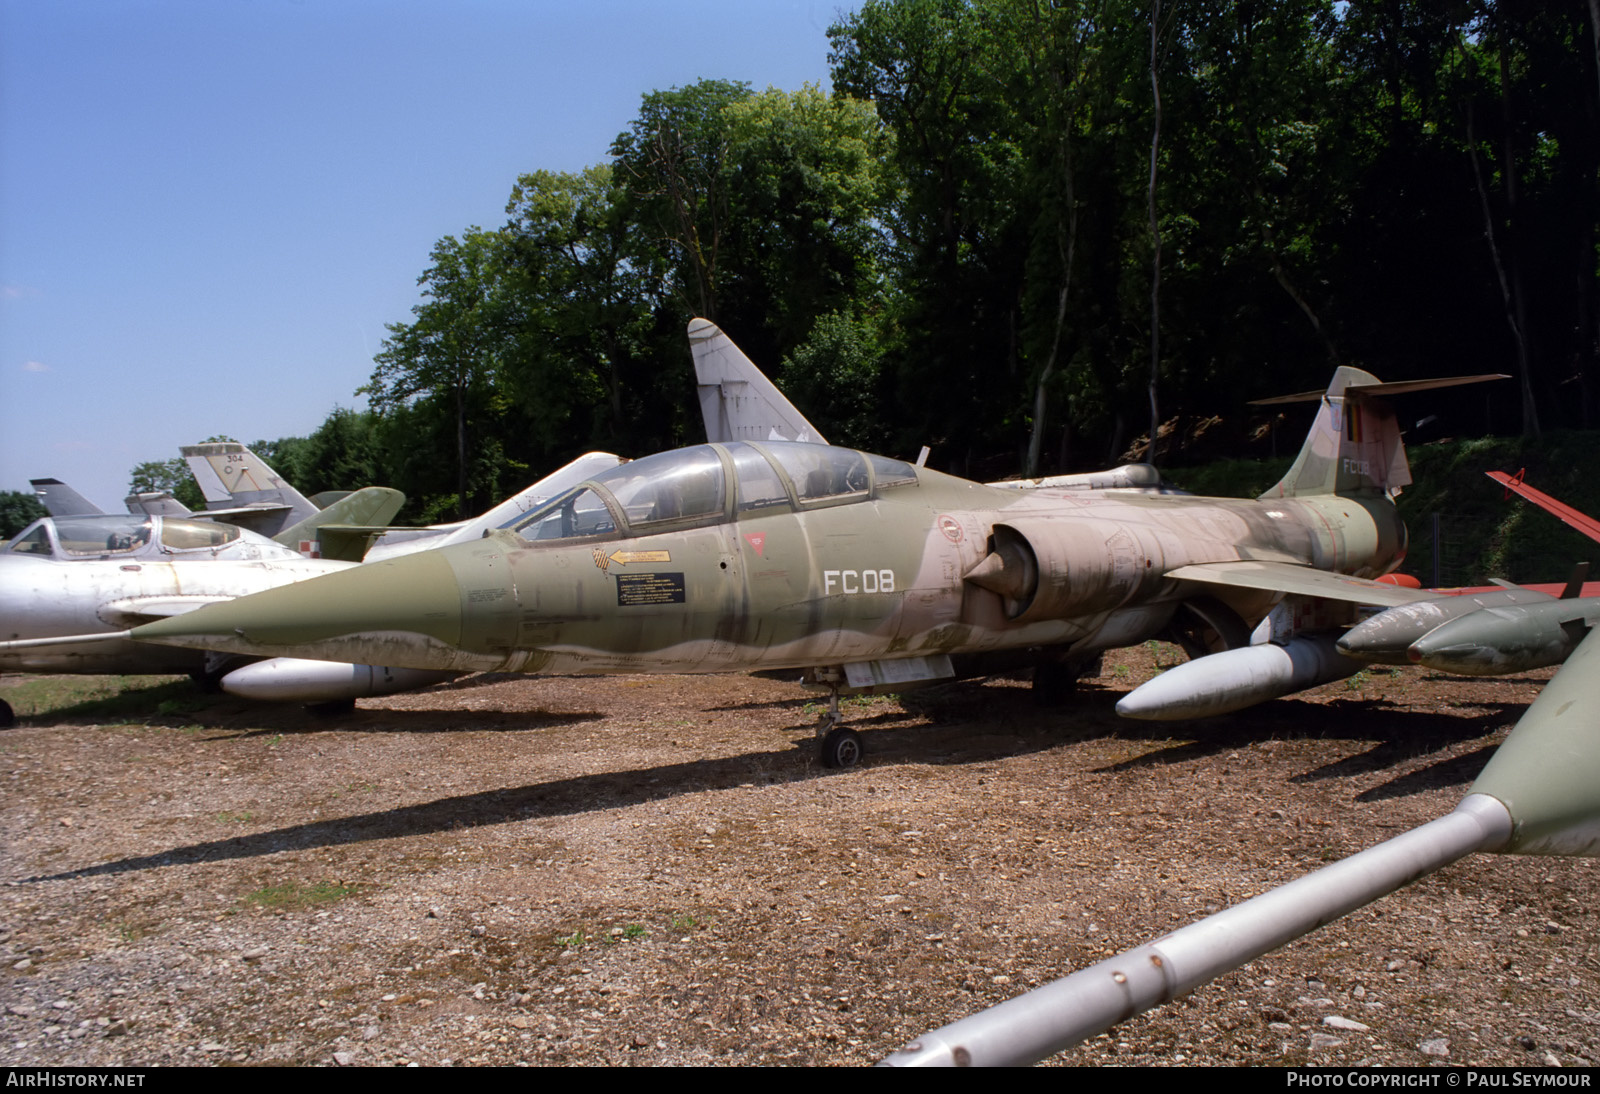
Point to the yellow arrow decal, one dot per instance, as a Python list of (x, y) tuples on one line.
[(622, 558)]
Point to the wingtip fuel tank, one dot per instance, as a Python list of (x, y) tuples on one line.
[(1496, 641), (1231, 680), (297, 680), (1384, 638)]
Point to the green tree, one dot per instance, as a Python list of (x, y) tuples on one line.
[(17, 511), (808, 191), (446, 360), (171, 476), (586, 284), (671, 163)]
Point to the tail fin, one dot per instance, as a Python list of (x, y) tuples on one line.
[(1354, 446), (233, 477), (346, 528), (156, 503), (61, 500), (736, 400)]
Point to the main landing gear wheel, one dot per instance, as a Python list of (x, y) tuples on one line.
[(841, 748), (8, 718)]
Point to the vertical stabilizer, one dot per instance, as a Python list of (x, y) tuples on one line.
[(1354, 446), (345, 529), (231, 477), (61, 500), (156, 503), (736, 400)]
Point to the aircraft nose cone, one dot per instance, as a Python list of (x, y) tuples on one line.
[(329, 617)]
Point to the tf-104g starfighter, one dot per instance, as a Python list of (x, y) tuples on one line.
[(868, 571)]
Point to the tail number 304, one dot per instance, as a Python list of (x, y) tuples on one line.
[(857, 581)]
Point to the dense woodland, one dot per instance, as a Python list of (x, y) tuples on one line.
[(1021, 230)]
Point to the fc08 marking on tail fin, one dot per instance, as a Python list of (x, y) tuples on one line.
[(851, 582)]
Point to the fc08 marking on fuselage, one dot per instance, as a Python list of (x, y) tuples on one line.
[(851, 582)]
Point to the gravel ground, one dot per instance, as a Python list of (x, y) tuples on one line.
[(655, 870)]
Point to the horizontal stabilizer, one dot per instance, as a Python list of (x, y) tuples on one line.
[(1382, 390)]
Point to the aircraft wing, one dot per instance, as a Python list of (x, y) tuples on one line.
[(1564, 513), (1285, 577)]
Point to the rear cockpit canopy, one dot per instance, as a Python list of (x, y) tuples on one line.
[(139, 536), (689, 486)]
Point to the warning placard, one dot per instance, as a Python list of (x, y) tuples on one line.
[(634, 590)]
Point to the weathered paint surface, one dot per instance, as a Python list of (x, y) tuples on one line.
[(879, 573)]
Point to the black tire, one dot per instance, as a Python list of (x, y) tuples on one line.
[(8, 717), (842, 748)]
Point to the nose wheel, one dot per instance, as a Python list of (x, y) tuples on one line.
[(838, 746), (841, 747)]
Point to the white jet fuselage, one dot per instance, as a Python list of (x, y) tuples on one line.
[(47, 598)]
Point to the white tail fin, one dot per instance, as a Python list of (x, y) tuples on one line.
[(736, 400), (233, 477)]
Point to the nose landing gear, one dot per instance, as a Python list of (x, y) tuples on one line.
[(838, 745)]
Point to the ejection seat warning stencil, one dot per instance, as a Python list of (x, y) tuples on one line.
[(634, 590)]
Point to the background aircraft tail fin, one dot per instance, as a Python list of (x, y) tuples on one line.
[(736, 400), (1354, 446), (345, 529), (232, 476), (156, 503), (61, 500)]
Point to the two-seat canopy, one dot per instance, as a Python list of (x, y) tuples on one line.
[(690, 486)]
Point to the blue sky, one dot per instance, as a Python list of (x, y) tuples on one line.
[(209, 210)]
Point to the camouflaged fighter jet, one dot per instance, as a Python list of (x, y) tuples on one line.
[(866, 571)]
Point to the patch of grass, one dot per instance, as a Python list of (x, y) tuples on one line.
[(105, 698), (353, 788), (580, 937), (129, 932), (1165, 655), (855, 701), (1358, 681), (228, 816), (683, 924), (292, 896)]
